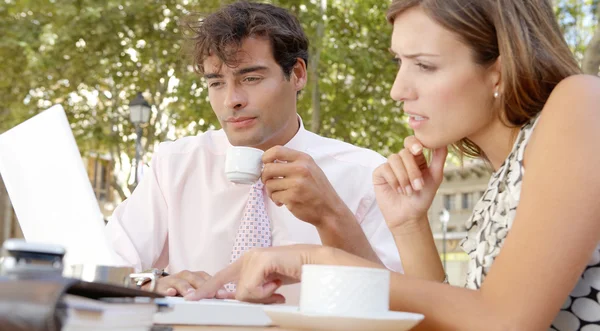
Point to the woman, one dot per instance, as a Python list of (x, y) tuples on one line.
[(495, 79)]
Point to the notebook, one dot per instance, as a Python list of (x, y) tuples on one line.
[(175, 310), (49, 188), (116, 314)]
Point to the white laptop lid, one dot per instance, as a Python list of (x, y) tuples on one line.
[(50, 190)]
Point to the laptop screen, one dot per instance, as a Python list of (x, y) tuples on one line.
[(47, 183)]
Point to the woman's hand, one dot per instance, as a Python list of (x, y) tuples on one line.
[(406, 185), (261, 271)]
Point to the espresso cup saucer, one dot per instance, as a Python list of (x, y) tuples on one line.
[(291, 317)]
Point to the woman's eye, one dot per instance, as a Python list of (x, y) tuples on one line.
[(425, 67)]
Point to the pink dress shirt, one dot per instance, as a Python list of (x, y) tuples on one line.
[(184, 214)]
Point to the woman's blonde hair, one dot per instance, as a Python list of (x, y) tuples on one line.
[(523, 33)]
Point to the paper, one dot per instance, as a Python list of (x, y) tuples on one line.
[(210, 312), (50, 190)]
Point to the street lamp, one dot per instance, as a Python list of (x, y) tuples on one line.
[(139, 114), (444, 218)]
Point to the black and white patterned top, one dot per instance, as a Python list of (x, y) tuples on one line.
[(488, 227)]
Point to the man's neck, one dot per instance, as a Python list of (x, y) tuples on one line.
[(287, 134)]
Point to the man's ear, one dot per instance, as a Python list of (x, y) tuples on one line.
[(298, 76)]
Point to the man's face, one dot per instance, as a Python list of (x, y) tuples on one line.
[(254, 101)]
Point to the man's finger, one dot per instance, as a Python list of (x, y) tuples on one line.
[(222, 293), (281, 184), (182, 286), (280, 153), (166, 286), (281, 198), (210, 287), (280, 170), (196, 279)]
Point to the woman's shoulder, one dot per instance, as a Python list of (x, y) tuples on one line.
[(571, 114), (572, 107), (575, 94)]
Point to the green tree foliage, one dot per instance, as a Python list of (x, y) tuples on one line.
[(93, 56), (579, 21)]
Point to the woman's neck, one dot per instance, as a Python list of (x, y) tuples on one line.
[(496, 142)]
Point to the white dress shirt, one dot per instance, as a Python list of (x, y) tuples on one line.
[(184, 214)]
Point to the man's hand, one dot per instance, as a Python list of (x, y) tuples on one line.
[(293, 179), (180, 284)]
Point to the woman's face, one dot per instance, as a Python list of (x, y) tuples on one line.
[(446, 95)]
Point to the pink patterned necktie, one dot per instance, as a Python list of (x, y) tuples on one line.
[(255, 227)]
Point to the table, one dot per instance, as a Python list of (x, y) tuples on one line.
[(225, 328)]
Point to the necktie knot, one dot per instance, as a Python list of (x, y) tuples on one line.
[(258, 185)]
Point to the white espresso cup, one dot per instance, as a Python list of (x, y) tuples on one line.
[(243, 165), (344, 291)]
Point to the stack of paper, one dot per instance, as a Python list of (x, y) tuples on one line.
[(110, 314), (176, 310)]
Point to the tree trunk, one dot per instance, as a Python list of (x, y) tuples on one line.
[(314, 73), (591, 58), (118, 187)]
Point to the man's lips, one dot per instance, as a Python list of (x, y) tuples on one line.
[(241, 122), (238, 119)]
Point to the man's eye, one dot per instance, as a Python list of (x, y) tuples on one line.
[(214, 84)]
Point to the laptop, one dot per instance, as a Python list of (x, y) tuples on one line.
[(50, 190)]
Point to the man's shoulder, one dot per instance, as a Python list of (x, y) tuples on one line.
[(343, 151), (211, 141)]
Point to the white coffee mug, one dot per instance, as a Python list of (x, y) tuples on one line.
[(341, 290), (243, 165)]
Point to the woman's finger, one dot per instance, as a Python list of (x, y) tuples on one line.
[(399, 170), (415, 176)]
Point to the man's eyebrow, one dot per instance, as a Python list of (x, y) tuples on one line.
[(246, 70), (212, 75), (239, 72)]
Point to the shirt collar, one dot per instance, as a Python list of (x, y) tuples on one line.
[(297, 142)]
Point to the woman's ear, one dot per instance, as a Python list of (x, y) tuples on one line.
[(496, 75)]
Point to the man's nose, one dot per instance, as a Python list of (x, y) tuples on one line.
[(235, 98)]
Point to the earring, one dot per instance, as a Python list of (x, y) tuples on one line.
[(496, 94)]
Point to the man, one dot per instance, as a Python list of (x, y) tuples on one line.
[(185, 215)]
